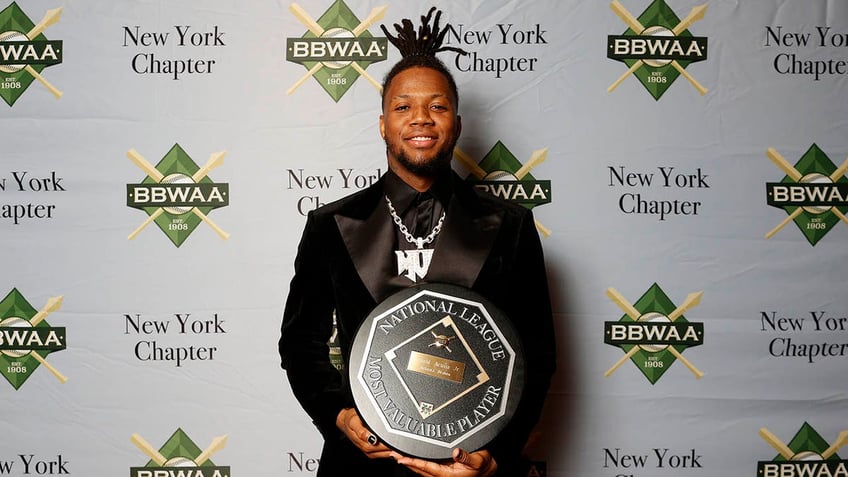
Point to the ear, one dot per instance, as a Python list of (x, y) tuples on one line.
[(382, 128), (458, 125)]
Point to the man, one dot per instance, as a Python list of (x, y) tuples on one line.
[(346, 263)]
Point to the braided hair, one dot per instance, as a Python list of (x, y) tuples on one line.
[(419, 50)]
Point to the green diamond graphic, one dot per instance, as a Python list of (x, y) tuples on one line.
[(15, 80), (656, 360), (501, 166), (178, 222), (499, 158), (807, 440), (808, 453), (18, 365), (180, 452), (657, 76), (813, 222), (179, 445), (337, 76)]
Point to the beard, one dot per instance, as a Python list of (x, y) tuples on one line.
[(432, 167)]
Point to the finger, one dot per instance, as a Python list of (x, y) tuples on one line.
[(379, 453), (419, 466), (365, 435), (473, 461), (374, 448), (355, 430), (360, 436), (365, 440), (479, 463)]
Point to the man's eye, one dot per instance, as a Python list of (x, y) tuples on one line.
[(439, 107), (402, 107)]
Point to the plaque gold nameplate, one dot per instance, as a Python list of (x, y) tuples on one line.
[(436, 367)]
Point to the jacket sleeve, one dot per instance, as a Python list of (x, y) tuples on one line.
[(527, 302), (306, 328)]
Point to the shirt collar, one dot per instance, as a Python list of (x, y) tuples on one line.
[(402, 194)]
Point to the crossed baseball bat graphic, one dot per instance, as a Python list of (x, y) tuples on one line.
[(692, 300), (796, 176), (50, 17), (788, 454), (214, 161), (216, 445), (536, 158), (376, 14), (52, 305), (697, 13)]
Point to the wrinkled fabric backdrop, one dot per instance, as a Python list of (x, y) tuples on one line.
[(654, 196)]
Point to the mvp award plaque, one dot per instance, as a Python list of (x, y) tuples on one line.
[(436, 367)]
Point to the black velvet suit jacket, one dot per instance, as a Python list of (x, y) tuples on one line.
[(486, 244)]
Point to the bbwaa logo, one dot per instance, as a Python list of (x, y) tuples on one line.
[(25, 52), (657, 47), (26, 339), (807, 454), (653, 332), (179, 457), (337, 48), (814, 193), (177, 194), (502, 175)]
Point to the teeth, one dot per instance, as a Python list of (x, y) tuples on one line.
[(422, 138)]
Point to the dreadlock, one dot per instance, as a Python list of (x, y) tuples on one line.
[(419, 50)]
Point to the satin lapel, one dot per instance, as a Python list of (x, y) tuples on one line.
[(367, 241), (463, 245)]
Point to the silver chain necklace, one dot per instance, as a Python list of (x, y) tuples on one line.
[(418, 241), (414, 263)]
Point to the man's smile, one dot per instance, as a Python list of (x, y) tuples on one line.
[(422, 141)]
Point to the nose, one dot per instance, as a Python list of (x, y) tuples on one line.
[(422, 115)]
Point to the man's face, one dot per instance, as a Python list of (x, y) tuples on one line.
[(419, 122)]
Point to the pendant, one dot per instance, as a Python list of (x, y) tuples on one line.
[(414, 262)]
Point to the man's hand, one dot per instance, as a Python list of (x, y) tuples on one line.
[(351, 425), (475, 464)]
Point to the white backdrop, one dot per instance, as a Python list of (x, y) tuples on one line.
[(217, 303)]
